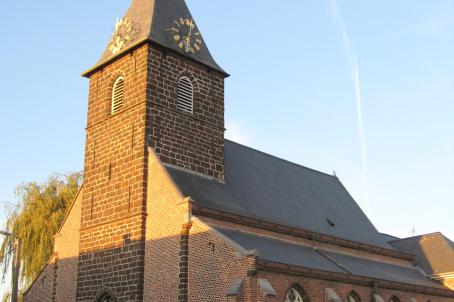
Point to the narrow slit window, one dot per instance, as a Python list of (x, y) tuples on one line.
[(118, 95), (185, 99)]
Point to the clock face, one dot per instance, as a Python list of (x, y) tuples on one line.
[(125, 31), (186, 35)]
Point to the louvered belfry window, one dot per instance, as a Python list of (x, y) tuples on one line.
[(118, 95), (185, 101)]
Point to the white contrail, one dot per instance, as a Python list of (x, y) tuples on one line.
[(353, 63)]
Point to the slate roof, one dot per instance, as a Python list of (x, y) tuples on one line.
[(389, 237), (152, 21), (280, 251), (285, 252), (381, 270), (434, 253), (265, 187)]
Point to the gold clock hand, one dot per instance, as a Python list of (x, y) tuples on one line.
[(188, 42), (188, 38), (190, 29)]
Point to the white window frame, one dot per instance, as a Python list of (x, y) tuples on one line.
[(185, 95), (116, 103)]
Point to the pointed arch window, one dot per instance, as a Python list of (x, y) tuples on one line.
[(118, 95), (353, 297), (185, 97), (296, 294), (106, 298)]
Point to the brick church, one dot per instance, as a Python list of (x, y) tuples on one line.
[(169, 210)]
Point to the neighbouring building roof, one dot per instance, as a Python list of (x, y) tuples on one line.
[(285, 252), (265, 187), (434, 253), (152, 20), (450, 242)]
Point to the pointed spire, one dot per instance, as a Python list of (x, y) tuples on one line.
[(168, 23)]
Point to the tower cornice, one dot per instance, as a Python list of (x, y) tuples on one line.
[(87, 73)]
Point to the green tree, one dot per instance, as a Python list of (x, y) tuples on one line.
[(35, 219)]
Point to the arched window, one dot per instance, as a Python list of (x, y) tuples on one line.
[(296, 294), (185, 98), (394, 299), (118, 95), (106, 295), (353, 297)]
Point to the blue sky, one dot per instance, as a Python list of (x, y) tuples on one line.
[(291, 93)]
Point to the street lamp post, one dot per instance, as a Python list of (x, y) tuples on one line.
[(16, 265)]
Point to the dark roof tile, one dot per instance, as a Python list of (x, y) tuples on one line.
[(152, 20), (262, 186), (280, 251), (286, 252)]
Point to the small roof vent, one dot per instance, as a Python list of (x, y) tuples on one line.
[(185, 98), (118, 95)]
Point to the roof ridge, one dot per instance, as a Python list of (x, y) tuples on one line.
[(416, 236), (387, 234), (73, 202), (282, 159)]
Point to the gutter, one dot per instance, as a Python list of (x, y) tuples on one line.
[(297, 232), (440, 277)]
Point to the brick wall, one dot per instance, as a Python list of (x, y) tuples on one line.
[(167, 212), (315, 289), (113, 208), (195, 142), (67, 249), (214, 264), (116, 157), (42, 289), (57, 282)]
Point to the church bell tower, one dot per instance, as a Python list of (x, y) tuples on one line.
[(155, 86)]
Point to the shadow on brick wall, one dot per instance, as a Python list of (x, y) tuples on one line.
[(202, 257)]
